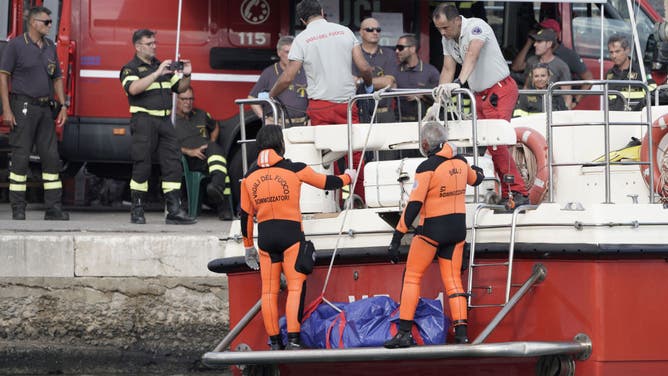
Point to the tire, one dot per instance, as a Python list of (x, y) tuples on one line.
[(235, 170)]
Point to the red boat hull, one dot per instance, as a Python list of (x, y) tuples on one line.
[(620, 304)]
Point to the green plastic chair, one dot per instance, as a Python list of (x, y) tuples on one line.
[(193, 180)]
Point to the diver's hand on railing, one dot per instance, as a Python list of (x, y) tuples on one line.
[(251, 258)]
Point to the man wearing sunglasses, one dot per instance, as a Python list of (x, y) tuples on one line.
[(31, 63), (471, 43), (413, 74), (384, 63)]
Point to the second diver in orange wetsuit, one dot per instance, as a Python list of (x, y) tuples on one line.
[(438, 197), (270, 192)]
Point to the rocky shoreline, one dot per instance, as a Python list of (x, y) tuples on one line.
[(110, 325)]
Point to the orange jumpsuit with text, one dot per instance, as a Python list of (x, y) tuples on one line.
[(270, 192), (438, 197)]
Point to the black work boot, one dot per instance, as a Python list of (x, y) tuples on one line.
[(400, 340), (276, 343), (225, 209), (176, 215), (18, 212), (215, 193), (294, 343), (56, 213), (461, 335), (137, 209)]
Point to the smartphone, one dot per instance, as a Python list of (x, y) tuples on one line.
[(175, 66)]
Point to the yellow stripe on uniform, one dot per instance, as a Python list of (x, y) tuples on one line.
[(217, 167), (142, 187), (53, 185), (47, 176), (18, 178), (135, 109), (159, 85), (168, 186), (129, 78), (17, 187), (174, 80), (216, 158)]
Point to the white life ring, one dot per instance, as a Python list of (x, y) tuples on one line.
[(536, 143), (659, 146)]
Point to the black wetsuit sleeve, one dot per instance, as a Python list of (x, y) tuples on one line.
[(411, 212)]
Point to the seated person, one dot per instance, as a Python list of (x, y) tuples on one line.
[(197, 133), (544, 45), (539, 79), (576, 65)]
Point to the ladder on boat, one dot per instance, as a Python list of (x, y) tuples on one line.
[(511, 252)]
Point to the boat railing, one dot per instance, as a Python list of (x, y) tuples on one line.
[(544, 94), (511, 251), (398, 93), (606, 123), (242, 123)]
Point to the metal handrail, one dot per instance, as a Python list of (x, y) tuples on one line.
[(606, 124), (511, 252), (538, 275), (580, 347), (242, 123), (543, 93), (413, 92)]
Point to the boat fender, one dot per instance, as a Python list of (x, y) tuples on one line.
[(538, 146), (659, 132)]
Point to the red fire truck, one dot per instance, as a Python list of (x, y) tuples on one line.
[(229, 42)]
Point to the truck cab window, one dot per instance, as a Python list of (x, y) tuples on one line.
[(5, 19), (587, 26)]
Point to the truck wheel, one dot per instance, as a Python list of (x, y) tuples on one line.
[(236, 172)]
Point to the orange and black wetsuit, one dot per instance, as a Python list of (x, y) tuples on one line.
[(270, 191), (438, 197)]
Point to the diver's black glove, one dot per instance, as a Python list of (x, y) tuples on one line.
[(478, 169), (393, 249)]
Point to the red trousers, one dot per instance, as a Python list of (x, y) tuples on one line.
[(498, 102), (323, 113)]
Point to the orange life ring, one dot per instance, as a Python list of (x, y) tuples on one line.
[(659, 142), (538, 146)]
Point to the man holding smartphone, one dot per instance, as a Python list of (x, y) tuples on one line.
[(149, 84)]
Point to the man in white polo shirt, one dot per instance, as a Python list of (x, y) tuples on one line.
[(471, 42), (326, 51)]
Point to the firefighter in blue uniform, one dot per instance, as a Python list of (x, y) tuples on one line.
[(31, 62), (149, 84)]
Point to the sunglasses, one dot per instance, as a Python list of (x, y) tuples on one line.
[(400, 47), (46, 22), (372, 29)]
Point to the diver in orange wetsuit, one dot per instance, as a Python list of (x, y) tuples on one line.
[(438, 197), (270, 192)]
